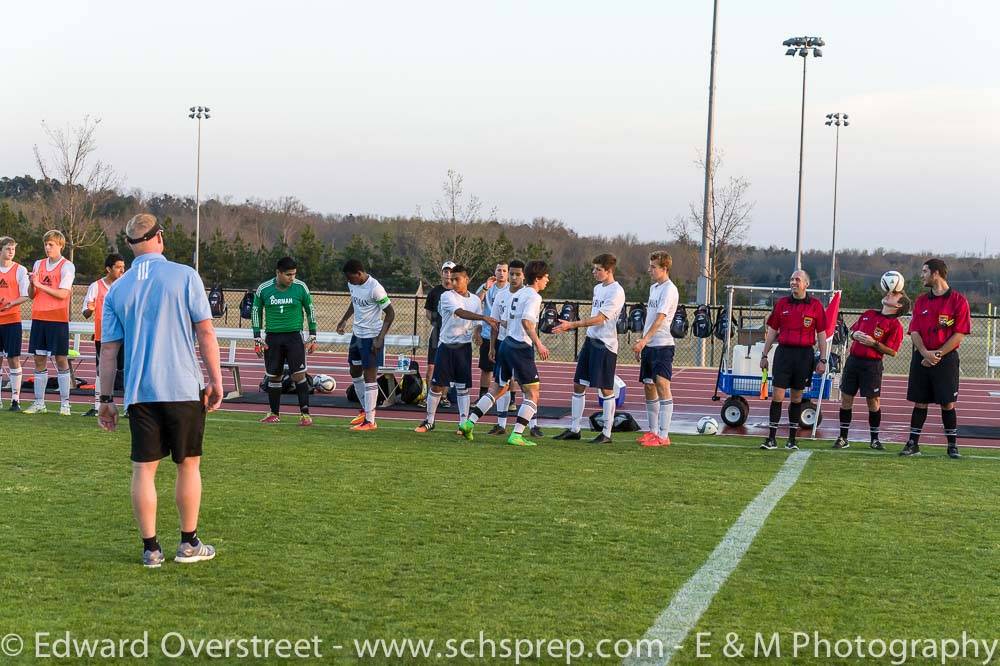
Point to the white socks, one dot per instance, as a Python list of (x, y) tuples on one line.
[(577, 404), (97, 392), (433, 400), (41, 383), (503, 404), (524, 414), (666, 413), (463, 404), (609, 415), (15, 383), (371, 400), (652, 414)]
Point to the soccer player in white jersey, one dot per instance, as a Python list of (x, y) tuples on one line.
[(595, 367), (516, 360), (488, 293), (459, 310), (367, 351), (655, 351), (13, 292)]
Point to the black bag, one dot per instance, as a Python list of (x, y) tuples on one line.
[(702, 327), (679, 326), (217, 301), (412, 386), (841, 333), (549, 318), (246, 305), (624, 422), (724, 325), (637, 318), (622, 324), (569, 312)]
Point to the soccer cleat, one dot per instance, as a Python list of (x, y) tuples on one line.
[(841, 443), (791, 446), (953, 452), (186, 553), (601, 439), (467, 429), (364, 427), (445, 402), (90, 412), (769, 444), (359, 419), (517, 439), (64, 410), (305, 420), (646, 437), (877, 445), (655, 441), (270, 418), (911, 448), (36, 408), (424, 427), (497, 430), (536, 432), (568, 434), (152, 559), (15, 406)]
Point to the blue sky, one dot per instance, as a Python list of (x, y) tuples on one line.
[(592, 113)]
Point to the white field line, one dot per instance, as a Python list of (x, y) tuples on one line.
[(693, 598)]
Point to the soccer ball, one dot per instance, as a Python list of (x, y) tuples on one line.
[(324, 383), (707, 426), (892, 281)]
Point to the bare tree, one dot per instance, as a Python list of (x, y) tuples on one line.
[(456, 211), (80, 186), (730, 224)]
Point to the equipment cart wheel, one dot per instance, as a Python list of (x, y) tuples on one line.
[(735, 411)]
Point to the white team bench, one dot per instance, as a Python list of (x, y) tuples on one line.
[(236, 335), (993, 363)]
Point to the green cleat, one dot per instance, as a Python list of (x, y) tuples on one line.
[(467, 427), (517, 439)]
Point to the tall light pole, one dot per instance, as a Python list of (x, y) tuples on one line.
[(708, 213), (803, 47), (198, 112), (835, 119)]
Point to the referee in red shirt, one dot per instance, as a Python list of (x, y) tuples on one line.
[(940, 322), (875, 334), (797, 322)]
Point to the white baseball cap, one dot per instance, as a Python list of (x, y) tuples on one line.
[(448, 265)]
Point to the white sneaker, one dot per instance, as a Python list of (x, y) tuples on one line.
[(36, 408), (64, 410), (186, 553)]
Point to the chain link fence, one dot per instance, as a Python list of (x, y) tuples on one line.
[(411, 318)]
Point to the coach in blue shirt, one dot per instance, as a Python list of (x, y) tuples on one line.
[(156, 309)]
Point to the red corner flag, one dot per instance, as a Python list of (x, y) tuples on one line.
[(832, 311)]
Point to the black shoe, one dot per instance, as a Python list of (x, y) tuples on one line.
[(953, 452), (90, 412), (537, 432), (568, 434), (15, 406), (497, 430), (910, 449), (841, 443), (877, 445), (791, 446), (445, 402), (769, 444), (601, 439)]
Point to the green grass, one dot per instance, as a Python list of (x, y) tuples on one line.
[(390, 535)]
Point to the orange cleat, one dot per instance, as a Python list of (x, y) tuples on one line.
[(270, 418), (359, 419), (647, 437), (305, 420), (364, 426)]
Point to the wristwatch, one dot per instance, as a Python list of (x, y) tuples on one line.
[(107, 400)]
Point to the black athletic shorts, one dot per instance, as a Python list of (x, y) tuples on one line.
[(160, 429), (862, 375), (937, 385), (485, 364), (284, 348), (10, 340), (793, 367), (453, 365), (432, 344), (49, 338)]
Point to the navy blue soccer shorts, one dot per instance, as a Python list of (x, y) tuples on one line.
[(49, 338), (10, 340), (453, 365), (516, 361), (595, 366), (360, 354), (656, 362)]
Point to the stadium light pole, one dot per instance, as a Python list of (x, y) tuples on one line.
[(708, 213), (198, 112), (836, 120), (802, 47)]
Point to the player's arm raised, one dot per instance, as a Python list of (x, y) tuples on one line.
[(475, 316)]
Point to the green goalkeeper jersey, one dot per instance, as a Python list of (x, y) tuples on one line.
[(280, 310)]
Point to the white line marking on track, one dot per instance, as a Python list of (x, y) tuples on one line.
[(694, 597)]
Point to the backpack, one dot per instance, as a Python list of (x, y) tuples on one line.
[(569, 312), (724, 325), (637, 318), (622, 324), (217, 301), (411, 387), (702, 327), (246, 305), (679, 326), (624, 422), (841, 333), (549, 318)]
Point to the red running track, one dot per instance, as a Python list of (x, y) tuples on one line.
[(692, 390)]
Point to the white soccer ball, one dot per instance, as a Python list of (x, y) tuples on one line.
[(707, 426), (892, 281), (324, 383)]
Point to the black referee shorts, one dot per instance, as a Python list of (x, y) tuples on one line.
[(160, 429), (862, 375), (793, 367), (935, 385), (284, 348)]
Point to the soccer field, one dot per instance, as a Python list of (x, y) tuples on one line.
[(364, 536)]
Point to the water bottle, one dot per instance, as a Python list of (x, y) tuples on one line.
[(402, 362)]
